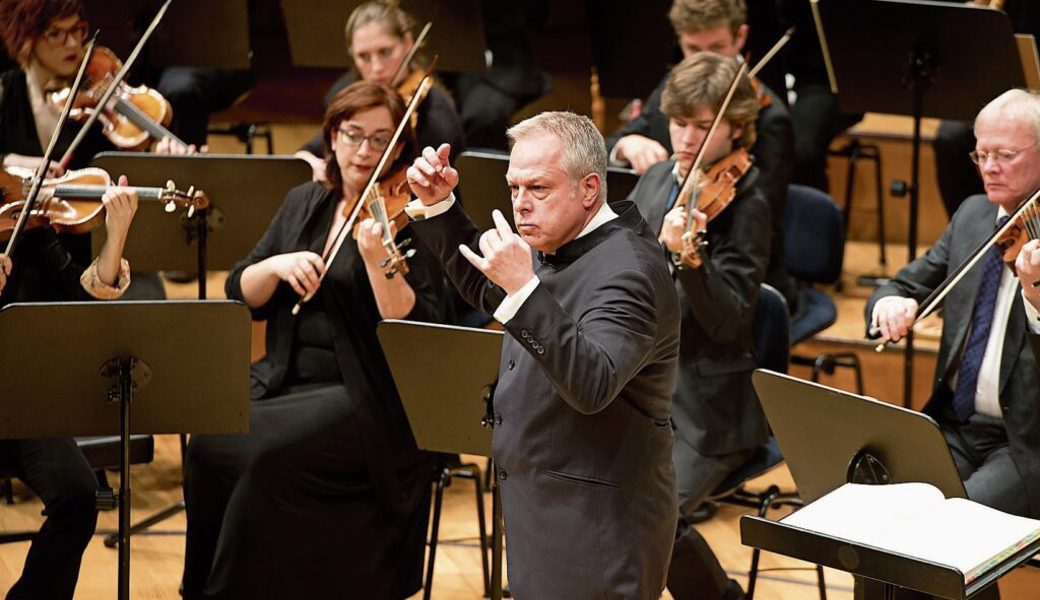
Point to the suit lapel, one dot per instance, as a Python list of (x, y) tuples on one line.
[(1014, 337)]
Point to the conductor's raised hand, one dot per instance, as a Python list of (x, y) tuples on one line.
[(506, 256), (301, 270), (431, 176)]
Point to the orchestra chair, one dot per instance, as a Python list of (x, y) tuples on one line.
[(447, 468), (854, 151), (814, 244), (770, 332), (101, 452)]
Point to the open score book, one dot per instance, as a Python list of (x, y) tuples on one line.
[(914, 519)]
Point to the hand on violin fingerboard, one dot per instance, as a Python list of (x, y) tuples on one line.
[(120, 206), (674, 226), (431, 177), (1027, 265), (173, 147), (5, 270), (370, 241), (506, 259)]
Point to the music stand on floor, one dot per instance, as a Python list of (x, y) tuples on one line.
[(918, 71), (446, 377), (244, 193), (182, 366)]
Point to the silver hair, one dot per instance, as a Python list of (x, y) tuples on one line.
[(584, 150), (1015, 104)]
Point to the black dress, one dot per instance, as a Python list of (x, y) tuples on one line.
[(327, 496)]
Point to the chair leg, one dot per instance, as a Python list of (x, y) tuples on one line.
[(828, 363), (820, 583), (482, 525), (875, 155), (438, 498)]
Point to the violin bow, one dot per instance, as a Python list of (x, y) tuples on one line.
[(373, 181), (48, 156), (112, 86), (401, 68), (931, 303)]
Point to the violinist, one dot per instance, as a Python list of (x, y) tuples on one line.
[(379, 36), (986, 381), (715, 411), (328, 436), (41, 269), (720, 26)]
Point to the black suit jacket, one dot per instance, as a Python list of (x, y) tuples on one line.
[(714, 407), (774, 156), (1019, 387), (582, 437)]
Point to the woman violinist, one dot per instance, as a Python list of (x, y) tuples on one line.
[(379, 37), (715, 412), (328, 436)]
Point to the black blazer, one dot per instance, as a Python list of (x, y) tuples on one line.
[(1019, 387), (774, 156), (714, 407), (582, 437)]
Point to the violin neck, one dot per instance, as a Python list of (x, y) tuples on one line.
[(95, 192), (138, 117), (377, 207)]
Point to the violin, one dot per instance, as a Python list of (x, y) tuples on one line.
[(714, 191), (1018, 231), (408, 85), (135, 116), (72, 203), (385, 203)]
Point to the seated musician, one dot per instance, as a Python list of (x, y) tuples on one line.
[(720, 26), (41, 269), (379, 36), (986, 382), (715, 411), (327, 495)]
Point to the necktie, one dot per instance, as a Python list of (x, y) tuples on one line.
[(672, 195), (981, 319)]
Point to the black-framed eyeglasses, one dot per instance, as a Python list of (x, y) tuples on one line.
[(354, 137), (56, 36)]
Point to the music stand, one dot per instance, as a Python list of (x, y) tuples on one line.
[(315, 29), (829, 437), (225, 29), (244, 192), (183, 366), (482, 185), (926, 55), (446, 377)]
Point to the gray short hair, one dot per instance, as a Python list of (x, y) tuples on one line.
[(1015, 104), (584, 150)]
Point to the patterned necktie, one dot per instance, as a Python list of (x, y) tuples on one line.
[(981, 320)]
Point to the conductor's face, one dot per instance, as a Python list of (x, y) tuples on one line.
[(1008, 158), (548, 209)]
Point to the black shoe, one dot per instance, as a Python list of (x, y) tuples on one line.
[(703, 512)]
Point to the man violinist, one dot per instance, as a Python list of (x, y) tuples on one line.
[(717, 419), (720, 26), (985, 394)]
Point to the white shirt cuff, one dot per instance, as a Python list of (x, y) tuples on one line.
[(418, 211), (1032, 315), (512, 303)]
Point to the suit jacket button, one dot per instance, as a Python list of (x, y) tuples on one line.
[(512, 363), (502, 476), (498, 419), (524, 334), (541, 349)]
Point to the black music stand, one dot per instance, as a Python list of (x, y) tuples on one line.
[(482, 185), (244, 192), (446, 377), (829, 437), (315, 29), (222, 24), (182, 366), (928, 54)]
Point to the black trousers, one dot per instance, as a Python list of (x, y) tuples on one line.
[(57, 472)]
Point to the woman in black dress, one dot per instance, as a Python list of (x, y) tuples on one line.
[(327, 496)]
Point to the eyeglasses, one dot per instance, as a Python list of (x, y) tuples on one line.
[(354, 137), (1001, 156), (59, 37)]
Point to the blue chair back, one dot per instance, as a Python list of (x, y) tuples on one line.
[(771, 330), (814, 235)]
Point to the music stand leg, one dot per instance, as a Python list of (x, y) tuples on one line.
[(124, 391), (496, 541)]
